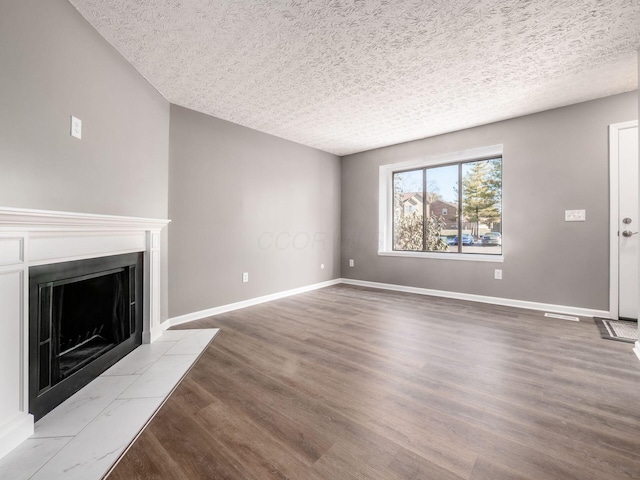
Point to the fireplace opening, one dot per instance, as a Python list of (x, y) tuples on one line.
[(91, 314), (84, 316)]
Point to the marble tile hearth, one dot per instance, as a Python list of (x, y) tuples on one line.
[(84, 436)]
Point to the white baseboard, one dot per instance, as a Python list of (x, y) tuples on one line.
[(155, 332), (546, 307), (14, 432), (246, 303)]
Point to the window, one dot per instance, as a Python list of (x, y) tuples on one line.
[(455, 206)]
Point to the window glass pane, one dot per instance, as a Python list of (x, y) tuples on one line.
[(482, 207), (408, 229), (442, 208)]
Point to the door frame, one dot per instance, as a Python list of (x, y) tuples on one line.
[(614, 161)]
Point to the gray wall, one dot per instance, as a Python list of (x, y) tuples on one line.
[(54, 65), (554, 160), (244, 201)]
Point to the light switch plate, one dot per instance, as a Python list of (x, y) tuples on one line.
[(575, 215), (76, 127)]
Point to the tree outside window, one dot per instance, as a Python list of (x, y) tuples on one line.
[(426, 207)]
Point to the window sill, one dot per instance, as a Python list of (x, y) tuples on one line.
[(469, 257)]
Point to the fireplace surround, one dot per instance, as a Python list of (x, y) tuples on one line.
[(33, 238), (84, 316)]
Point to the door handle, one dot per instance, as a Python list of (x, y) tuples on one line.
[(627, 233)]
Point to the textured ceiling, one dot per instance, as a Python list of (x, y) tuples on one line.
[(351, 75)]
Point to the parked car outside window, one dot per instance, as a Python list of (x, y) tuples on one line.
[(466, 240), (492, 238)]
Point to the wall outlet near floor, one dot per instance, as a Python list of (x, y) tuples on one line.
[(497, 274), (352, 262), (245, 277)]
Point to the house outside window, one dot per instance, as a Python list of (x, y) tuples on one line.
[(456, 206)]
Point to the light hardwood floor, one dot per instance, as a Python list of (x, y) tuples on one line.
[(353, 383)]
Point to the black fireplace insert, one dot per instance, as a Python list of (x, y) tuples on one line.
[(84, 316)]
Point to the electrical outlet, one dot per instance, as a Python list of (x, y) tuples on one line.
[(497, 274), (76, 127), (245, 277), (352, 262), (575, 215)]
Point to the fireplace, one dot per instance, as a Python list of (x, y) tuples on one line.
[(30, 239), (84, 316)]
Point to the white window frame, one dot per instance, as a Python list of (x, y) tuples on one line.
[(385, 219)]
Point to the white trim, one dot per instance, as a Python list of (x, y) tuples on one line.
[(546, 307), (385, 187), (614, 161), (156, 332), (46, 219), (478, 153), (189, 317), (473, 257), (15, 431)]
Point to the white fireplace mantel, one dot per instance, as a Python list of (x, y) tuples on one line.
[(38, 237)]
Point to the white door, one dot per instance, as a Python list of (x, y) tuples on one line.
[(628, 221)]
